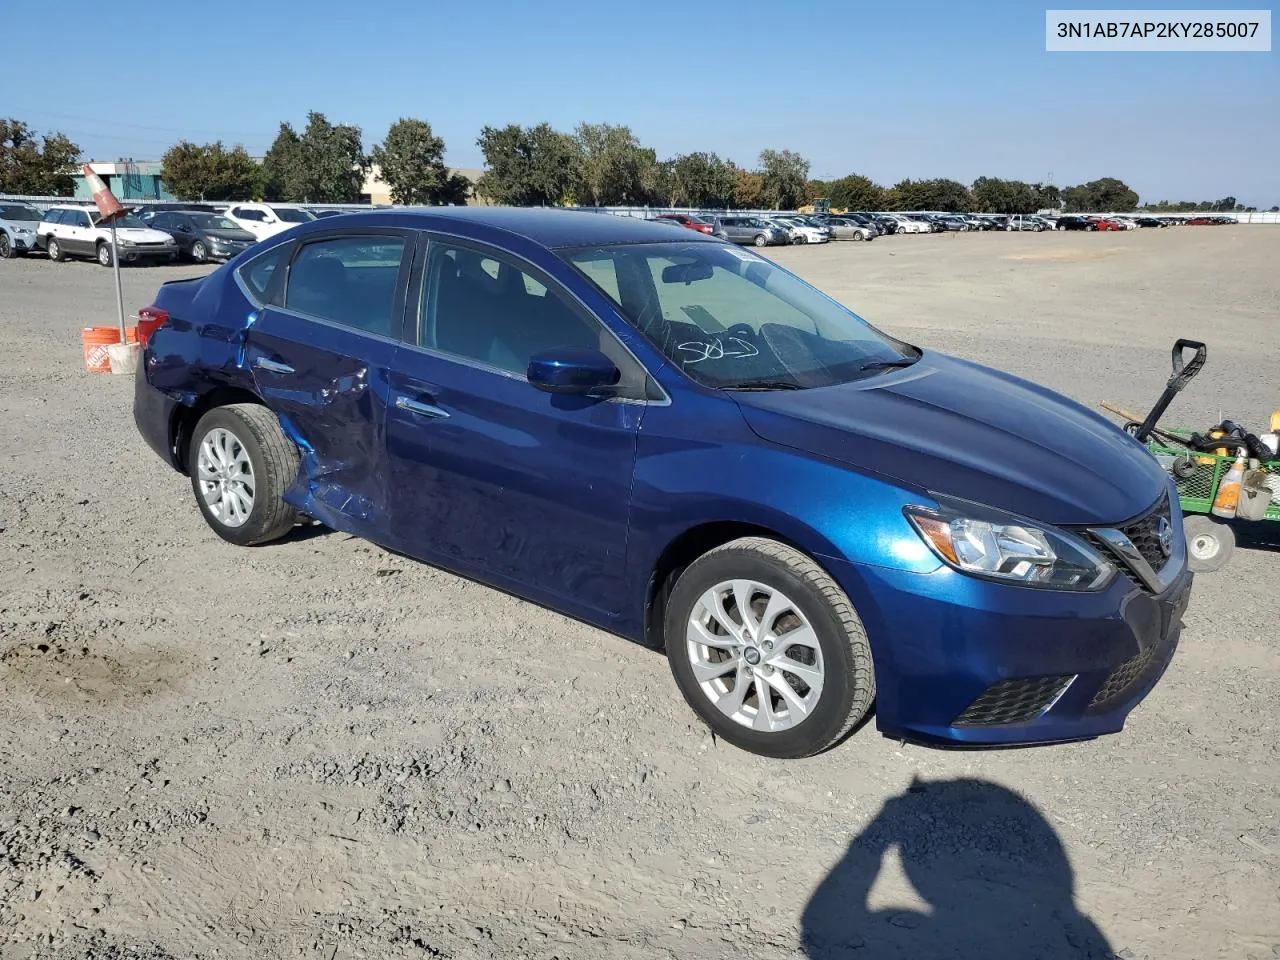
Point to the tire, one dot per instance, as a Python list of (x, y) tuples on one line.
[(839, 656), (857, 235), (199, 252), (1090, 228), (103, 254), (1209, 543), (6, 247), (244, 431), (54, 249)]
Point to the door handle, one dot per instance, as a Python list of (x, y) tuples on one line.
[(275, 366), (420, 407)]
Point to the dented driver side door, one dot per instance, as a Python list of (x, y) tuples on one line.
[(320, 356)]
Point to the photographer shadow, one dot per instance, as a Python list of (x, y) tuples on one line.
[(992, 872)]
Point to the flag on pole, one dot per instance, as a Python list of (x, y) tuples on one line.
[(109, 207)]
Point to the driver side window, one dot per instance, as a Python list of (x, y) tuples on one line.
[(482, 307)]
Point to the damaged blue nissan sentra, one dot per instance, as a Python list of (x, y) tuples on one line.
[(680, 442)]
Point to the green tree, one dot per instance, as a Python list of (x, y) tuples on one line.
[(785, 174), (815, 189), (856, 192), (703, 180), (1107, 195), (940, 194), (993, 195), (326, 164), (528, 166), (1048, 197), (410, 160), (613, 164), (209, 172), (748, 191), (281, 167), (41, 166)]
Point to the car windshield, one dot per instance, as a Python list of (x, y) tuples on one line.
[(9, 212), (128, 220), (292, 215), (731, 319), (211, 221)]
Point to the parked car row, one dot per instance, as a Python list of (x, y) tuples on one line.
[(154, 233)]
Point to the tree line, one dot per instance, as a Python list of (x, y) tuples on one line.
[(596, 164)]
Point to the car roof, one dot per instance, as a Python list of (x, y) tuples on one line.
[(542, 225)]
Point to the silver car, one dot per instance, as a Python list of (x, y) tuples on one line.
[(18, 222)]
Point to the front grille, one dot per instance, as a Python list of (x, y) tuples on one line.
[(1014, 701), (1121, 680), (1144, 533)]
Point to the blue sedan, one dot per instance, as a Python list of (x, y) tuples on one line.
[(680, 442)]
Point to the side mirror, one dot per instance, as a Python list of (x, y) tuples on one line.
[(584, 372)]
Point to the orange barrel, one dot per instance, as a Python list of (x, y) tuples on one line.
[(95, 340)]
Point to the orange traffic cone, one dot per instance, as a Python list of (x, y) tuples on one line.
[(109, 207)]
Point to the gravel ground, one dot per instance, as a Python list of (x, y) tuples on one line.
[(319, 749)]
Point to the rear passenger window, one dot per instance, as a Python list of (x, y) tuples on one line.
[(53, 216), (348, 280)]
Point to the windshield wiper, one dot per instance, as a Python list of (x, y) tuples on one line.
[(887, 364), (762, 385)]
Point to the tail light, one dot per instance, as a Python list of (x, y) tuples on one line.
[(150, 319)]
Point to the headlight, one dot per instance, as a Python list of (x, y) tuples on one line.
[(124, 243), (998, 546)]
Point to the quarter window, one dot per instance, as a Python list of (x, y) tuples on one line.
[(258, 272), (348, 280), (486, 309)]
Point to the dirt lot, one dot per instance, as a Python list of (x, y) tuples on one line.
[(318, 749)]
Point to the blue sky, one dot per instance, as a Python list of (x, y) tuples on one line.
[(889, 89)]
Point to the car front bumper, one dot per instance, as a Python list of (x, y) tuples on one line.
[(227, 251), (23, 241), (961, 660)]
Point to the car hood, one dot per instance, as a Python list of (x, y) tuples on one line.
[(960, 429), (139, 234)]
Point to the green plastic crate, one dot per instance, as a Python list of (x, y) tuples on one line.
[(1196, 492)]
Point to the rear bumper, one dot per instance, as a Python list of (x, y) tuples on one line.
[(153, 413), (964, 661)]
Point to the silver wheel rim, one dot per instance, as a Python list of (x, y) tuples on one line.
[(104, 255), (755, 655), (4, 245), (1204, 546), (198, 252), (225, 474), (53, 249)]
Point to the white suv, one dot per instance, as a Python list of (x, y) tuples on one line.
[(73, 231), (267, 219)]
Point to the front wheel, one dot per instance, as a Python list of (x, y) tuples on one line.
[(54, 249), (199, 252), (1209, 543), (104, 254), (767, 649), (6, 247), (241, 464)]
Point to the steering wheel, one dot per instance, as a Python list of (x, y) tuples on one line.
[(743, 331)]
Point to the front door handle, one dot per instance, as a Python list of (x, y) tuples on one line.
[(275, 366), (420, 407)]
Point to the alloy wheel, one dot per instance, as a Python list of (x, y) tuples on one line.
[(4, 245), (225, 473), (755, 655)]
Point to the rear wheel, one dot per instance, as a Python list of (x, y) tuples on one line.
[(241, 464), (104, 253), (767, 649), (1209, 543), (54, 250)]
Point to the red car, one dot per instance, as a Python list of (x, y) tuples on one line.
[(687, 220), (1104, 224)]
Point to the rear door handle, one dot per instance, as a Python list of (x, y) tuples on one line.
[(275, 366), (420, 407)]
